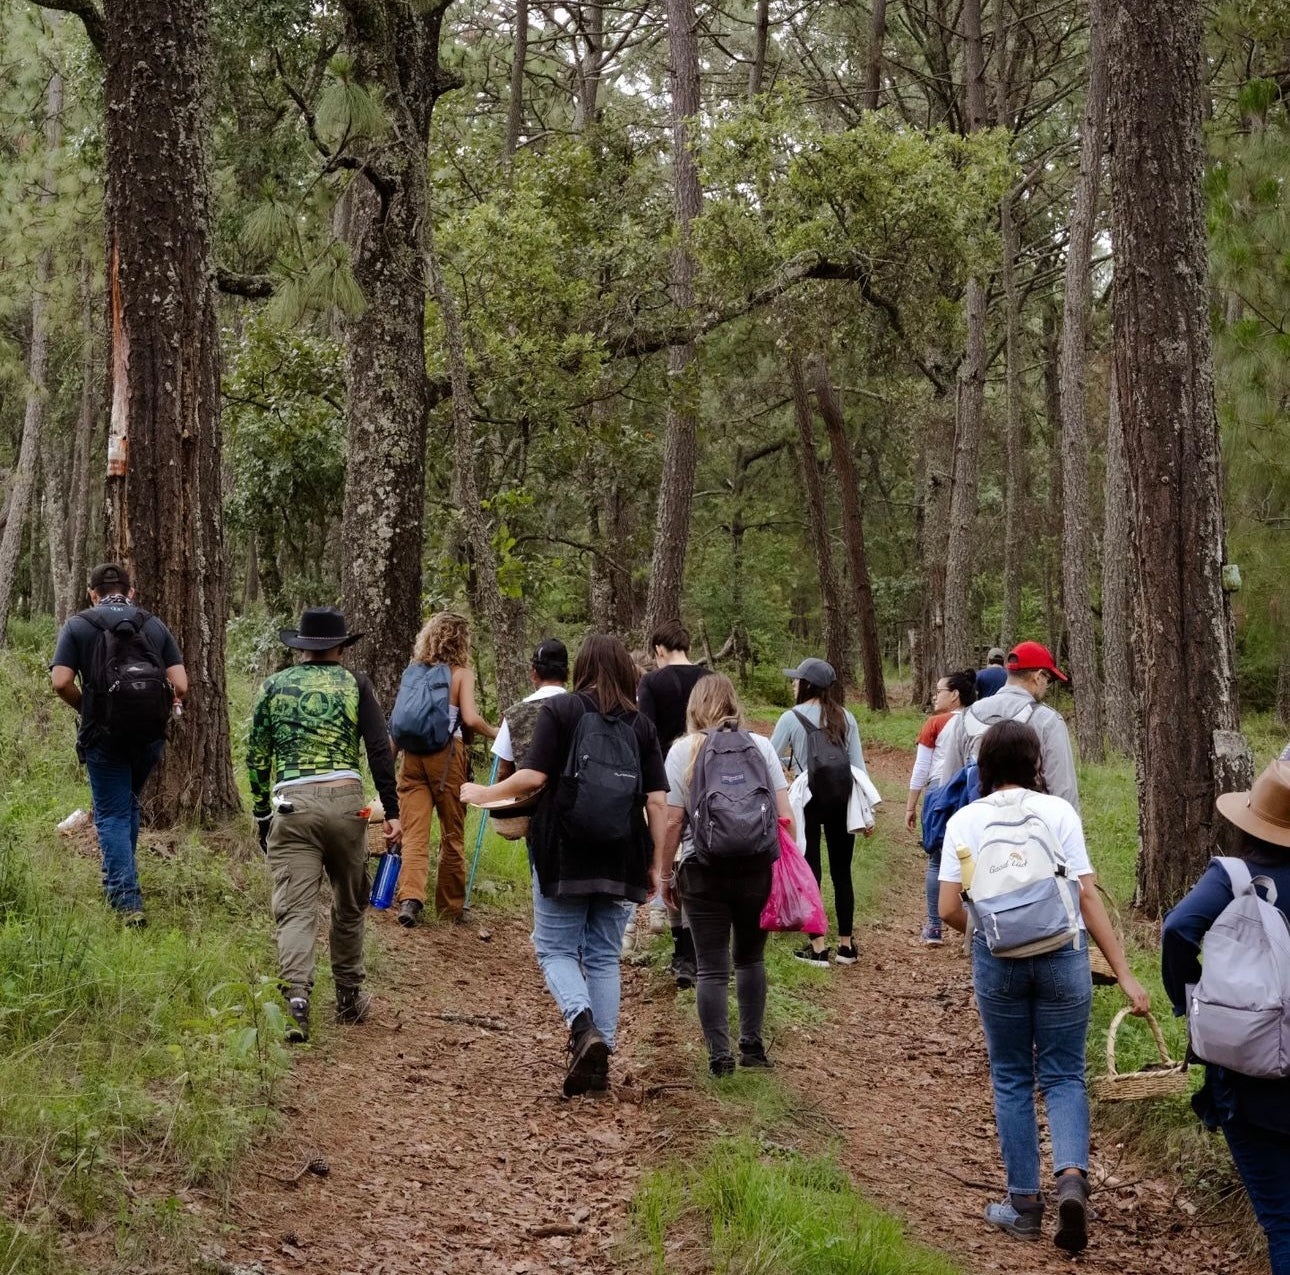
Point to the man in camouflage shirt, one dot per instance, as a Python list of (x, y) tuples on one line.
[(307, 797)]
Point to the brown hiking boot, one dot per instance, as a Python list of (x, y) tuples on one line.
[(588, 1057), (352, 1004)]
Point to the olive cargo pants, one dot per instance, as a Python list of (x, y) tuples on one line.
[(323, 833)]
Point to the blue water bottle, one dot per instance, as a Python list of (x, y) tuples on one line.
[(387, 877)]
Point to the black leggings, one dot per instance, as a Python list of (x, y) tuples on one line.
[(842, 846)]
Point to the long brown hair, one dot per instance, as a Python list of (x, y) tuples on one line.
[(833, 713), (604, 668)]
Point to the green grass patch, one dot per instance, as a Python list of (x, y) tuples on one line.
[(746, 1209)]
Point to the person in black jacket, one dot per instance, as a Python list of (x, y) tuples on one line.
[(1254, 1114), (596, 843)]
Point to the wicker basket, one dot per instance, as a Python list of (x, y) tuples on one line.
[(513, 828), (1099, 966), (1164, 1079)]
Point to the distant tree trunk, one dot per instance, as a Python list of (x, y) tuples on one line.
[(165, 500), (680, 448), (1189, 746), (1117, 542), (1054, 621), (515, 103), (873, 61), (504, 615), (970, 409), (831, 608), (33, 427), (875, 691), (591, 65), (1283, 685), (395, 44), (1077, 530), (53, 487), (81, 485), (937, 464), (761, 38)]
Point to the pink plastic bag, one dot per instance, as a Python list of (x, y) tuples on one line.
[(794, 901)]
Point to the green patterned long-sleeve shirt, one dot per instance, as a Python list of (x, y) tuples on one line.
[(308, 720)]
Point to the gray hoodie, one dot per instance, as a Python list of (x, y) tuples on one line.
[(1011, 702)]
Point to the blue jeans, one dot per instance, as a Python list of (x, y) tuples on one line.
[(115, 783), (1035, 1012), (579, 943), (932, 883), (1262, 1159)]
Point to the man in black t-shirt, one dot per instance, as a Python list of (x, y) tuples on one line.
[(663, 696), (118, 767)]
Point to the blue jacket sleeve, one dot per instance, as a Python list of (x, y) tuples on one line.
[(1184, 928)]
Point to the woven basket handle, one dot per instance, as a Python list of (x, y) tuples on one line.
[(1161, 1048)]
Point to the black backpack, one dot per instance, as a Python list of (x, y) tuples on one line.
[(601, 786), (732, 807), (130, 697), (828, 766)]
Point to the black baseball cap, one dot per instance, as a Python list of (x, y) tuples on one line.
[(110, 577), (551, 659)]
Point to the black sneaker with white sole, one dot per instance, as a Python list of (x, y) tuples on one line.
[(812, 957), (297, 1020), (846, 954)]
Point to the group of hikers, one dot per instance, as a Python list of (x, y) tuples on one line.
[(633, 785)]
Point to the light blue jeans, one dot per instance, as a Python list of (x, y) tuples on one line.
[(932, 887), (579, 943), (1035, 1012)]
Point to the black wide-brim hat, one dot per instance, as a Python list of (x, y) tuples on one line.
[(321, 629)]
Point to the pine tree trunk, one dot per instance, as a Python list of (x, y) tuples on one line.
[(33, 428), (933, 515), (875, 691), (590, 67), (761, 38), (81, 485), (164, 482), (515, 103), (504, 615), (680, 448), (831, 609), (1189, 747), (395, 44), (1077, 529), (873, 61), (970, 407), (53, 501), (1117, 541)]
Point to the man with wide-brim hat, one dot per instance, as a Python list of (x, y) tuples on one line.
[(1252, 1111), (307, 798)]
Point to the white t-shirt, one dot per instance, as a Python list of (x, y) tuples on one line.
[(966, 828), (678, 761), (502, 744)]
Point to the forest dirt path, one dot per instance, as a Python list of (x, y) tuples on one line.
[(450, 1149)]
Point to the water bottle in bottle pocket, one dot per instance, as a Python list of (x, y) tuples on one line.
[(387, 877)]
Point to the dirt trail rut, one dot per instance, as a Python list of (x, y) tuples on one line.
[(450, 1150)]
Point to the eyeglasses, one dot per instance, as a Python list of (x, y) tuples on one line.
[(1049, 679)]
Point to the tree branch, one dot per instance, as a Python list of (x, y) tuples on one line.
[(90, 17), (256, 287)]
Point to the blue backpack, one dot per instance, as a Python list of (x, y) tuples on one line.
[(419, 722), (948, 799)]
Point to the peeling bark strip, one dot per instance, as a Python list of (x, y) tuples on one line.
[(166, 504), (395, 44), (1164, 369)]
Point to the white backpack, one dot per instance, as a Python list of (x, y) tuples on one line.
[(974, 728), (1023, 901), (1238, 1015)]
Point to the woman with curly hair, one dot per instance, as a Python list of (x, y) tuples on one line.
[(429, 784)]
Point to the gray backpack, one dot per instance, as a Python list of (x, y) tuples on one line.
[(974, 728), (1238, 1015), (732, 800)]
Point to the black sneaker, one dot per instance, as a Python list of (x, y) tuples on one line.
[(847, 954), (1072, 1213), (721, 1065), (683, 972), (409, 913), (298, 1021), (812, 957), (352, 1004), (588, 1057), (753, 1054)]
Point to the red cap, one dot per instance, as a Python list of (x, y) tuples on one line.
[(1026, 656)]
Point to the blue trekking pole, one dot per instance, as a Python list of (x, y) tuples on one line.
[(479, 837)]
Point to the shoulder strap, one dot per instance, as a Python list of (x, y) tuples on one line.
[(1237, 873), (806, 721)]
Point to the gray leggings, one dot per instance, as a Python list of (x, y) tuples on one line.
[(717, 902)]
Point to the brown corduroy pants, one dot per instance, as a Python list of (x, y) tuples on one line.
[(425, 790)]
